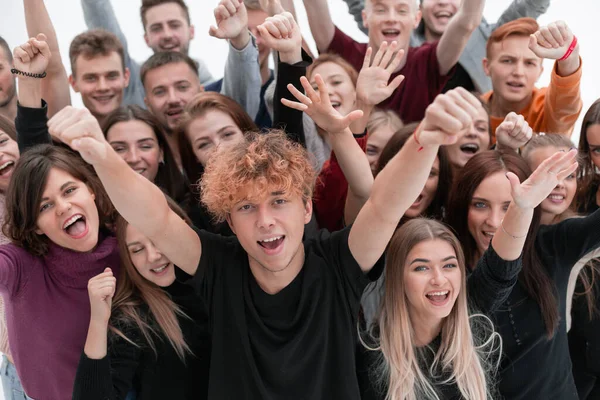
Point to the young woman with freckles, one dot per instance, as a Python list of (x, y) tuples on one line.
[(532, 322), (150, 327), (56, 217)]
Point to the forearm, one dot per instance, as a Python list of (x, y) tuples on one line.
[(354, 164), (96, 343), (360, 125), (355, 8), (242, 80), (522, 9), (509, 239), (320, 22), (32, 128), (30, 92), (291, 67), (569, 66)]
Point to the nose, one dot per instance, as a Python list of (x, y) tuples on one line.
[(62, 206), (132, 156), (495, 216), (438, 278), (153, 253), (471, 132), (265, 218), (519, 68), (172, 96), (102, 83)]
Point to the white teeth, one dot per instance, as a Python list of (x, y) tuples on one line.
[(438, 293), (556, 197), (72, 220), (490, 234), (161, 269), (139, 171), (6, 164), (335, 104), (272, 239)]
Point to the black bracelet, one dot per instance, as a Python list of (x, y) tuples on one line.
[(28, 74)]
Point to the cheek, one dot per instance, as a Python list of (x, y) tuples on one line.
[(432, 185), (596, 159), (202, 155), (474, 220)]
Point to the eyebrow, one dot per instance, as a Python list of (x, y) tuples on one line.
[(133, 243), (278, 193), (64, 185), (205, 138), (424, 260), (149, 139)]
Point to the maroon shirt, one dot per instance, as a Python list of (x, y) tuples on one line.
[(422, 83)]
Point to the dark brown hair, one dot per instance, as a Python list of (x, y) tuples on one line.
[(168, 177), (518, 27), (440, 200), (6, 48), (198, 107), (148, 4), (8, 127), (93, 43), (163, 58), (534, 278), (26, 187), (587, 177)]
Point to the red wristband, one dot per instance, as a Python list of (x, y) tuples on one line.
[(570, 49), (416, 139)]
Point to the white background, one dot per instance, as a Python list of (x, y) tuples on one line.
[(581, 15)]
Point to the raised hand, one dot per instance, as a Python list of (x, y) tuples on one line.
[(232, 21), (543, 180), (79, 129), (514, 132), (552, 41), (449, 116), (32, 56), (318, 106), (372, 86), (282, 33), (101, 290)]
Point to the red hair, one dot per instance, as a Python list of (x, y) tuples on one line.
[(523, 27)]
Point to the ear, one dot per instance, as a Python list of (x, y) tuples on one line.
[(147, 103), (146, 39), (541, 70), (230, 223), (363, 13), (73, 83), (192, 31), (418, 16), (127, 75), (91, 192), (308, 209), (486, 66), (39, 232)]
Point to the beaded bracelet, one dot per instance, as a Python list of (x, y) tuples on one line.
[(512, 236), (570, 49), (28, 74)]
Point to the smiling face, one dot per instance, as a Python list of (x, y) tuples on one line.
[(147, 259), (433, 281), (376, 141), (487, 208), (562, 196), (215, 129), (437, 14), (271, 230), (341, 90), (136, 143), (167, 28), (9, 154), (389, 20), (593, 138), (427, 194), (475, 140), (513, 68), (101, 82), (68, 214), (168, 89)]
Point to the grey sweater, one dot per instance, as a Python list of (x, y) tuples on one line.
[(474, 53), (241, 80)]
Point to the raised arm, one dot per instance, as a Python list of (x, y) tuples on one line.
[(137, 199), (320, 22), (100, 14), (513, 133), (55, 87), (457, 34), (523, 8), (31, 57), (401, 181), (241, 80)]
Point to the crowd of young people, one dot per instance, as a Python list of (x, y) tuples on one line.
[(402, 219)]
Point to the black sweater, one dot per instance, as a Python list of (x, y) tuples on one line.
[(488, 287), (533, 366), (161, 375)]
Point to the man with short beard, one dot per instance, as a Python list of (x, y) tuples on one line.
[(8, 98), (167, 27)]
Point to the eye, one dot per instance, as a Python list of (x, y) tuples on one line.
[(421, 268), (119, 149), (2, 141), (245, 207), (183, 87), (70, 190), (203, 146), (280, 202), (147, 146), (451, 265), (571, 177), (136, 250), (479, 204), (158, 92), (44, 207), (371, 151), (433, 173), (506, 61), (89, 78), (596, 150)]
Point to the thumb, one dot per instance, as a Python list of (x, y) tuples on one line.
[(515, 184), (42, 46), (107, 269), (215, 32), (353, 116), (86, 145), (41, 37), (533, 44), (396, 82)]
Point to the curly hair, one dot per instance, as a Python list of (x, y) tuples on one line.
[(262, 163)]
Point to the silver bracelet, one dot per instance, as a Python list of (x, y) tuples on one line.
[(512, 236)]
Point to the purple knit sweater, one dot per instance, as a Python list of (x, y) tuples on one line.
[(48, 312)]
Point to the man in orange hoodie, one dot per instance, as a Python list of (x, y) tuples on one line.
[(515, 52)]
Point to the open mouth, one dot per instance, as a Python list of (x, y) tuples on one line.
[(160, 270), (104, 99), (390, 33), (488, 235), (7, 168), (439, 298), (556, 198), (140, 170), (271, 245), (336, 104), (76, 226), (469, 148), (417, 202), (515, 85), (169, 47), (174, 112), (443, 15)]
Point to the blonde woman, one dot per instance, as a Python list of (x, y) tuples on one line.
[(427, 344)]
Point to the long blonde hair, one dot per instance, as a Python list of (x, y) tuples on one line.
[(134, 292), (467, 361)]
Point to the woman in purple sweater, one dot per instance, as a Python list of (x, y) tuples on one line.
[(56, 217)]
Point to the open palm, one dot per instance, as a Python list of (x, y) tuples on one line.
[(373, 85)]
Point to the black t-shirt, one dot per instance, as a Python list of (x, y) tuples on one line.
[(460, 78), (296, 344)]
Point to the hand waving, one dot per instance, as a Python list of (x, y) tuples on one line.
[(551, 41), (372, 86), (79, 129), (32, 56), (282, 33), (543, 180), (232, 19), (318, 107), (514, 132), (101, 290)]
